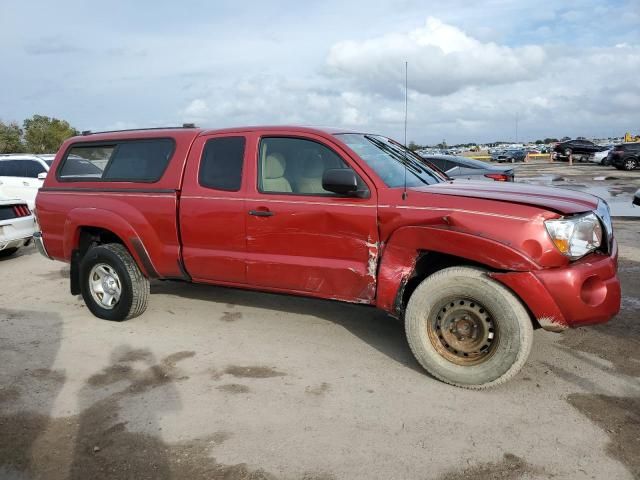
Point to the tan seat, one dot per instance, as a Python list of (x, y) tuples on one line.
[(273, 179), (310, 180)]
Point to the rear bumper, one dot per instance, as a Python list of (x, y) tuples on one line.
[(37, 238), (16, 232), (583, 293)]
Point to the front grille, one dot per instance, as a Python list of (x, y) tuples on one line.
[(7, 212)]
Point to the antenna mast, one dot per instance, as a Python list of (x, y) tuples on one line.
[(406, 104)]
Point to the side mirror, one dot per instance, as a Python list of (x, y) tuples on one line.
[(342, 181), (42, 176)]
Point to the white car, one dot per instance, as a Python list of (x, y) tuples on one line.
[(600, 157), (17, 226), (21, 175)]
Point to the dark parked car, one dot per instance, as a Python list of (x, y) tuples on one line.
[(469, 168), (579, 148), (509, 155), (625, 156)]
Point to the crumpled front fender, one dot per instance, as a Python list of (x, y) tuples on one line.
[(400, 253)]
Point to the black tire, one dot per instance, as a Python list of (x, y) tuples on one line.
[(7, 252), (630, 164), (134, 285), (510, 339)]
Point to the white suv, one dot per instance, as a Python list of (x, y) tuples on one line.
[(21, 175)]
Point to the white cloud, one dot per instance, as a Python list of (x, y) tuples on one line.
[(565, 68), (197, 108), (442, 60)]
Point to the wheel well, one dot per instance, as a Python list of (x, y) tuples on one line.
[(91, 236), (88, 237), (428, 263)]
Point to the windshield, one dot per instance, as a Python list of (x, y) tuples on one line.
[(48, 162), (388, 159)]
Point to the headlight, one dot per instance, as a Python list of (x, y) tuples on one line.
[(575, 236)]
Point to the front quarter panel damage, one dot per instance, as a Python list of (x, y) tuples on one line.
[(406, 244)]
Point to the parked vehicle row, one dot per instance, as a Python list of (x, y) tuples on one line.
[(625, 156)]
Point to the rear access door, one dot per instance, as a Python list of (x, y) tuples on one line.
[(212, 209)]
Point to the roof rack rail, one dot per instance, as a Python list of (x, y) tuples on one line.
[(184, 125)]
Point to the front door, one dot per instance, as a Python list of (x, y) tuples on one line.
[(301, 237)]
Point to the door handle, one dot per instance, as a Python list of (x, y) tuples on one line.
[(261, 213)]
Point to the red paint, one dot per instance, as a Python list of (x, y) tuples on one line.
[(353, 249)]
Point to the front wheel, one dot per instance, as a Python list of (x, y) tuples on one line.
[(467, 329), (112, 285)]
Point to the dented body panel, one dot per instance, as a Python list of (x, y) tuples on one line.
[(363, 249)]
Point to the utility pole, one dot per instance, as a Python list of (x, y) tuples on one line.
[(516, 127)]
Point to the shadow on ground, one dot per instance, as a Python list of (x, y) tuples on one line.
[(371, 325), (29, 384)]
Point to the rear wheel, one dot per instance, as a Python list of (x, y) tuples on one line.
[(112, 285), (630, 164), (466, 329)]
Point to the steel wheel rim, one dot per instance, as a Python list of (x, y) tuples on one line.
[(105, 285), (630, 164), (463, 331)]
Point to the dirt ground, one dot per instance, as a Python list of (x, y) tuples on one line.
[(227, 384)]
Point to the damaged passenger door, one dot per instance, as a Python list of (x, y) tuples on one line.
[(301, 237)]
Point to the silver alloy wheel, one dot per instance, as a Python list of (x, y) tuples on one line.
[(105, 285)]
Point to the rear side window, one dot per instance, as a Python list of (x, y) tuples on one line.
[(126, 161), (33, 168), (221, 164), (12, 168)]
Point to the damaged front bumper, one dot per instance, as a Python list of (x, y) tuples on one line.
[(585, 292)]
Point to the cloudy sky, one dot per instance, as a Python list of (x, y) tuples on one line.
[(562, 68)]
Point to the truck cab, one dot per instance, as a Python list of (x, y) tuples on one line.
[(470, 268)]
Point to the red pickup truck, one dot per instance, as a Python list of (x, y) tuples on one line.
[(471, 268)]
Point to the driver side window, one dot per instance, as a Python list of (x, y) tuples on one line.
[(295, 165)]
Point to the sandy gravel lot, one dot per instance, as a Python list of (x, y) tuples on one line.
[(220, 383)]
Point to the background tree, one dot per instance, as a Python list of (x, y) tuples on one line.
[(10, 138), (45, 135), (413, 146)]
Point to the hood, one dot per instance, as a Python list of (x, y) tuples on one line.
[(550, 198)]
